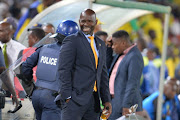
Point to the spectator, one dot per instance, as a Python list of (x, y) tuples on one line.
[(171, 104), (98, 26), (150, 76), (11, 21), (35, 8), (48, 28), (34, 36), (3, 11), (10, 47), (102, 35)]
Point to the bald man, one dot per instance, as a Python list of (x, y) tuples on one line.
[(9, 47), (83, 75), (48, 28), (12, 47)]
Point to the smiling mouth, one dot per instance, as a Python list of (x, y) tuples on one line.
[(86, 29)]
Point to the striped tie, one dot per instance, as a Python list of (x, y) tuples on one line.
[(95, 56)]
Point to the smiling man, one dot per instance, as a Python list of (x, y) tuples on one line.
[(83, 75)]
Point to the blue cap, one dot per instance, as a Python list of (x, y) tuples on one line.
[(11, 21)]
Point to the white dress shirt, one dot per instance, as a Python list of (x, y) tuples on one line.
[(13, 48)]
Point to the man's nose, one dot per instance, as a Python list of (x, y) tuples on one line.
[(86, 23)]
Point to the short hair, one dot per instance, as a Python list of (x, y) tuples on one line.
[(38, 32), (121, 34), (47, 24), (99, 33)]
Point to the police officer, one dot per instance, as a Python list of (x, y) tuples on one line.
[(47, 84)]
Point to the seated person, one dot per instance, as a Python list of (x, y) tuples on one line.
[(171, 104)]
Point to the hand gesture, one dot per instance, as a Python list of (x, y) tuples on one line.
[(109, 41)]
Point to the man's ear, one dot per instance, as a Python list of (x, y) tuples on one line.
[(96, 21), (36, 39), (11, 32), (124, 43)]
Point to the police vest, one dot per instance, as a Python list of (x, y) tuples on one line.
[(47, 67)]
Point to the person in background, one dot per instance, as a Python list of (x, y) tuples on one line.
[(10, 47), (47, 85), (48, 28), (102, 35), (13, 22), (83, 73), (109, 52), (98, 26), (171, 104), (34, 36), (125, 73), (4, 11), (35, 8), (151, 75)]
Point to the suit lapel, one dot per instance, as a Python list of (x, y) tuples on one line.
[(99, 48), (87, 45)]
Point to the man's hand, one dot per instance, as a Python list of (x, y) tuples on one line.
[(15, 100), (126, 111), (18, 105), (109, 41), (107, 109)]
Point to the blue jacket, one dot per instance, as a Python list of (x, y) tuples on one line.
[(127, 82), (149, 104), (150, 79), (78, 71), (46, 58)]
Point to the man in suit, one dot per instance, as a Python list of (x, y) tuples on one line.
[(83, 73), (125, 74)]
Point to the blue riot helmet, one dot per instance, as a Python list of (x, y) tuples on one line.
[(65, 28)]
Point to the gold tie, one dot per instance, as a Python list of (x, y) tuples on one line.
[(95, 56), (5, 55)]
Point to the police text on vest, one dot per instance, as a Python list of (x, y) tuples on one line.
[(47, 60)]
